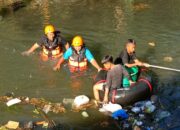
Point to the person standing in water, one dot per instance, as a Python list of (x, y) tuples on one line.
[(77, 55), (52, 44)]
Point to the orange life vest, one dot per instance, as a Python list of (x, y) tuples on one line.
[(52, 53), (78, 61)]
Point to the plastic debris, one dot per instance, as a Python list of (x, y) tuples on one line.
[(28, 125), (85, 114), (13, 101), (12, 125), (168, 59), (152, 44), (110, 107), (139, 123), (120, 114), (141, 116), (150, 109), (136, 109), (81, 100), (47, 108), (162, 114)]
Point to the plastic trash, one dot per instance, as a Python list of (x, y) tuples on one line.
[(85, 114), (12, 125), (161, 115), (111, 107), (28, 125), (141, 116), (120, 114), (136, 109), (47, 108), (13, 101), (139, 123), (81, 100), (150, 109)]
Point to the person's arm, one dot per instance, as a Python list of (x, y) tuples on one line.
[(58, 65), (107, 87), (126, 74), (66, 56), (139, 63), (106, 93), (91, 59), (95, 64), (28, 52), (67, 45)]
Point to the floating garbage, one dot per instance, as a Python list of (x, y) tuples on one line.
[(13, 101), (12, 125), (28, 125), (120, 114), (136, 109), (152, 44), (81, 100), (139, 123), (150, 109), (85, 114), (168, 59), (110, 107), (47, 108), (161, 115)]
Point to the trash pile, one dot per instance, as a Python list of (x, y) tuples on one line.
[(142, 115), (39, 102)]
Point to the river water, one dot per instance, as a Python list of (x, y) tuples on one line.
[(105, 26)]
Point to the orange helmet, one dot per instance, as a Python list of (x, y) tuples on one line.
[(77, 41), (49, 29)]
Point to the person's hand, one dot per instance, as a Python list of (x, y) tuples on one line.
[(146, 65), (25, 53), (139, 64), (131, 82), (99, 69), (105, 101), (57, 67)]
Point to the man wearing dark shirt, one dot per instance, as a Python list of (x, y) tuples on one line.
[(51, 44), (128, 56), (113, 79)]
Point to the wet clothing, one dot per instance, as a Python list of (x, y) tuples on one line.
[(100, 77), (125, 58), (115, 76), (52, 45), (84, 53)]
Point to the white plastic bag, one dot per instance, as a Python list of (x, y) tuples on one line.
[(81, 100)]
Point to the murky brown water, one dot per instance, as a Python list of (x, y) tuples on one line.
[(105, 26)]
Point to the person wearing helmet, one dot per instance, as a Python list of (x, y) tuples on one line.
[(78, 55), (51, 44)]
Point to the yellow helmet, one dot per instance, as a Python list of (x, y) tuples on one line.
[(77, 41), (49, 29)]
